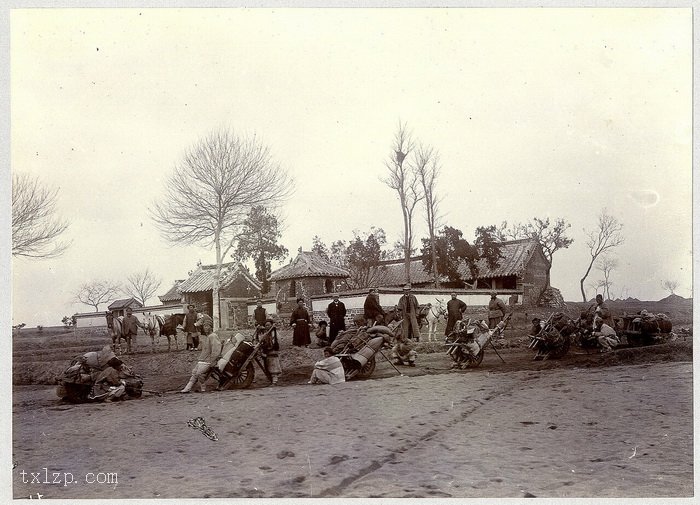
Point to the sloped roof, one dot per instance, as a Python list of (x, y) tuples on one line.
[(515, 255), (393, 273), (202, 279), (124, 303), (308, 264), (173, 294)]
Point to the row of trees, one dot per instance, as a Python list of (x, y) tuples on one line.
[(140, 285)]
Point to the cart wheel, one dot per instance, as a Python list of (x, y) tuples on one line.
[(349, 367), (367, 370), (474, 362), (244, 378)]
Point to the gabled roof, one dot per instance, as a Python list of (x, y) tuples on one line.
[(308, 264), (515, 255), (124, 303), (202, 279), (173, 294), (393, 272)]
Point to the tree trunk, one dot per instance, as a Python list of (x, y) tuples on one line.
[(215, 288), (433, 254)]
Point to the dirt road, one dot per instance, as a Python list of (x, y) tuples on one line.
[(529, 430)]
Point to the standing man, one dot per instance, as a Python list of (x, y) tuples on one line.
[(301, 321), (130, 326), (336, 312), (408, 305), (260, 314), (497, 309), (373, 311), (603, 312), (455, 310), (188, 325)]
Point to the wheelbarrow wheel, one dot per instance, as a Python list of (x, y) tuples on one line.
[(475, 361), (367, 370), (244, 378)]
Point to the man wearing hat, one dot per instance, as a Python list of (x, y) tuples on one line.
[(300, 321), (455, 310), (497, 309), (408, 305), (373, 311), (188, 325), (336, 313), (607, 338)]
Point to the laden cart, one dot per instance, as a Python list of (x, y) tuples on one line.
[(643, 328), (236, 369)]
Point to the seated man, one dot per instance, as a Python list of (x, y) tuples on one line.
[(606, 336), (321, 335), (403, 352), (329, 370)]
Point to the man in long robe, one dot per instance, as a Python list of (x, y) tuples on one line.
[(373, 311), (408, 305), (455, 310), (300, 321), (336, 313)]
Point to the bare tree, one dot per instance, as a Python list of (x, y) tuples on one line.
[(96, 293), (606, 265), (428, 170), (213, 189), (551, 236), (35, 226), (670, 286), (142, 285), (606, 236), (403, 179)]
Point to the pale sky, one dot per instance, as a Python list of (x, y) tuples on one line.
[(535, 112)]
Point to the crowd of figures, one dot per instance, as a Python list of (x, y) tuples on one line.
[(348, 352)]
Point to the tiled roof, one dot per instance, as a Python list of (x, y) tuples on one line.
[(173, 294), (202, 279), (308, 264), (124, 303), (515, 255), (393, 273)]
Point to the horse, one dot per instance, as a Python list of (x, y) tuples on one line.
[(153, 328), (433, 314), (168, 326), (114, 325)]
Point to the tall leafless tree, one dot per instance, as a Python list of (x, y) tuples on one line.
[(403, 179), (211, 191), (142, 285), (96, 293), (35, 226), (606, 236), (427, 163), (606, 265)]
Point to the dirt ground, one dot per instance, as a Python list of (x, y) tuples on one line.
[(589, 425)]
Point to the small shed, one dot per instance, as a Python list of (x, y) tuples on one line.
[(306, 275), (236, 287), (118, 307), (173, 295)]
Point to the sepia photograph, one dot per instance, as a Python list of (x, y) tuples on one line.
[(378, 252)]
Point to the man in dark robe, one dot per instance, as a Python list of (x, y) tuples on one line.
[(300, 322), (373, 311), (455, 310), (408, 305), (190, 329), (336, 313)]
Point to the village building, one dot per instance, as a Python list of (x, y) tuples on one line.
[(306, 275), (173, 295), (237, 287), (118, 307)]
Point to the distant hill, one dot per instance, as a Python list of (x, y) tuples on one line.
[(674, 299)]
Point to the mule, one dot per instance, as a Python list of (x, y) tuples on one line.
[(433, 315), (168, 327), (114, 325), (153, 328)]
